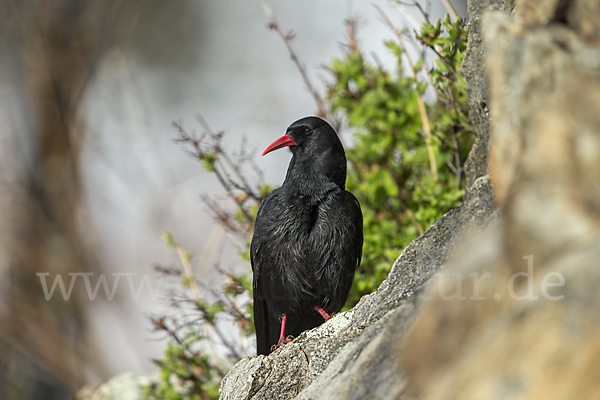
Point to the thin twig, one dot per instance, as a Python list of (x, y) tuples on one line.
[(235, 308), (226, 219), (228, 298), (200, 306), (162, 325), (246, 187), (404, 11), (188, 270), (424, 13), (452, 167), (273, 24), (259, 172), (351, 30), (219, 174), (216, 357), (224, 340), (457, 157), (413, 220), (451, 11), (420, 102), (432, 47)]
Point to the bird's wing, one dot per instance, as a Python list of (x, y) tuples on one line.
[(352, 241), (337, 247), (261, 312), (357, 238), (351, 252)]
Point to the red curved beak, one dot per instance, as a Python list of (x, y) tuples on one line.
[(283, 141)]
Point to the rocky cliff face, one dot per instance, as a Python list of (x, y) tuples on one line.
[(513, 313), (538, 337)]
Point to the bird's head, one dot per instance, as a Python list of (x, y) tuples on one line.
[(316, 147), (310, 135)]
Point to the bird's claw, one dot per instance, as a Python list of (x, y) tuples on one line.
[(282, 342)]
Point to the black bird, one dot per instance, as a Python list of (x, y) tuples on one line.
[(307, 239)]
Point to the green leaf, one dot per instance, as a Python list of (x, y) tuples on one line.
[(168, 238)]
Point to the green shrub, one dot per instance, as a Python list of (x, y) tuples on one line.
[(405, 168), (391, 172)]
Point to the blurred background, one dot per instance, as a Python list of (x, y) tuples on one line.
[(90, 174)]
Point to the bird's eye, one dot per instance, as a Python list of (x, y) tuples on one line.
[(307, 130)]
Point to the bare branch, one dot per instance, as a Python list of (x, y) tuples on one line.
[(351, 31), (457, 157), (188, 270), (404, 11), (451, 11), (273, 24), (452, 167), (219, 172)]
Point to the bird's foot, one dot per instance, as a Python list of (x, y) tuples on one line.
[(322, 312), (282, 342)]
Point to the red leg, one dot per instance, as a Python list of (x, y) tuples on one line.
[(282, 334), (282, 339), (322, 312)]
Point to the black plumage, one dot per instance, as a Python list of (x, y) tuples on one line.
[(307, 239)]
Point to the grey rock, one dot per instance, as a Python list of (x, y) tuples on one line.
[(520, 339), (473, 70), (367, 367)]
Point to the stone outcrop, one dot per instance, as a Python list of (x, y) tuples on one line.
[(477, 87), (534, 330)]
